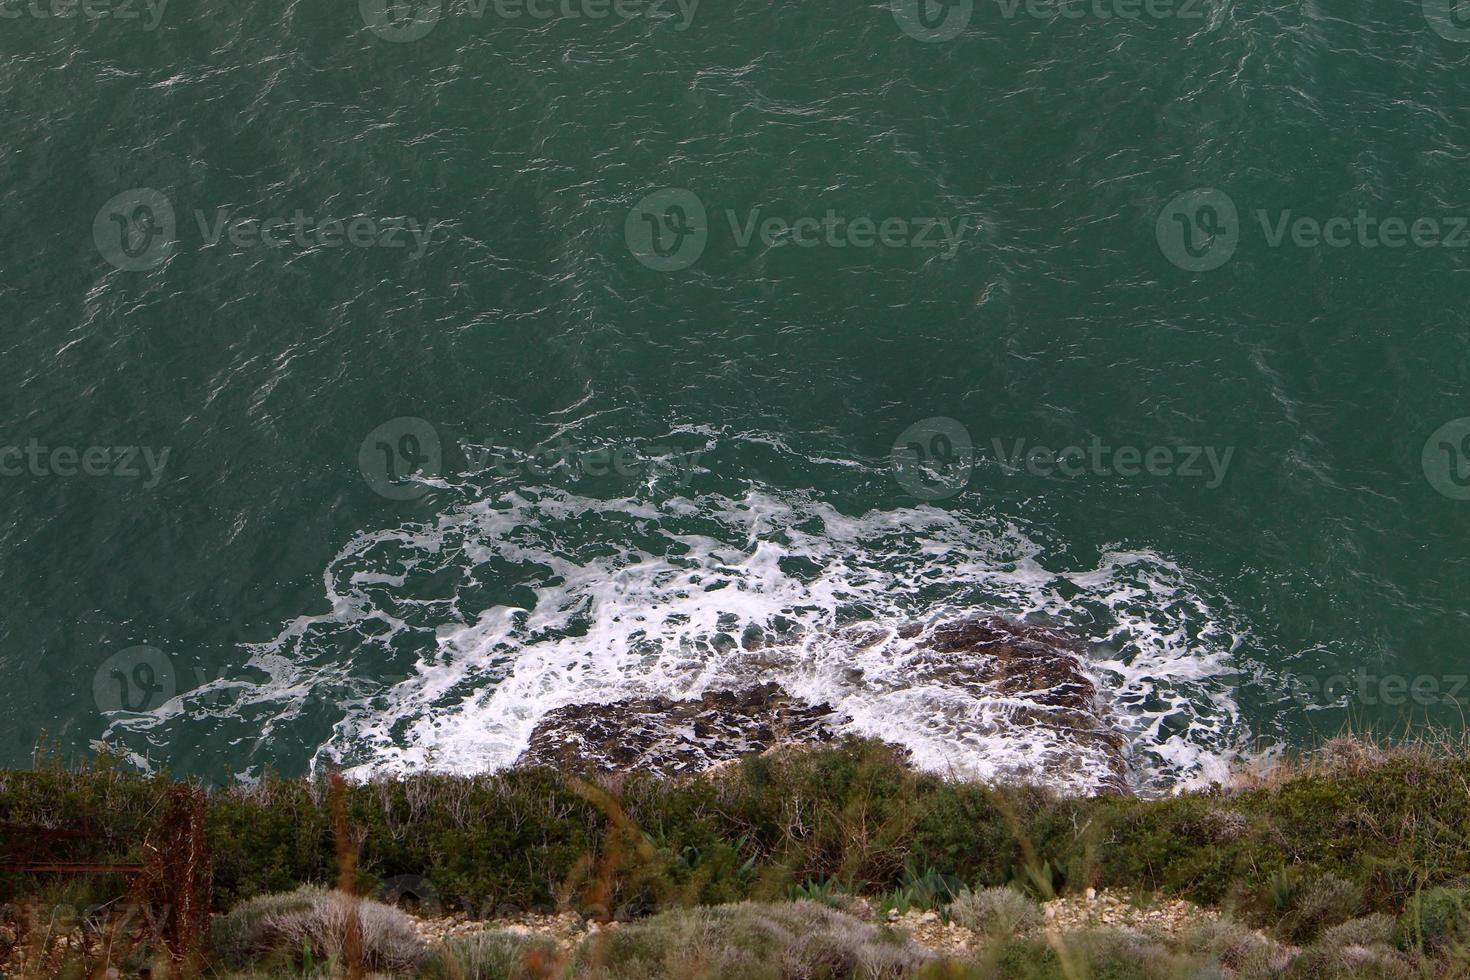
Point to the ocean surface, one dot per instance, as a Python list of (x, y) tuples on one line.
[(378, 377)]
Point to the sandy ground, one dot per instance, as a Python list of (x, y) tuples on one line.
[(928, 929)]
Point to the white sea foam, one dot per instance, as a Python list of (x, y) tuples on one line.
[(446, 643)]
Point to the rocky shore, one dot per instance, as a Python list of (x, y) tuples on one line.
[(1034, 678)]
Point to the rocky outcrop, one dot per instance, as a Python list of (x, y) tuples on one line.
[(1039, 679), (1023, 688), (675, 737)]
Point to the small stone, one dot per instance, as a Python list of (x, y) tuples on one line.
[(1090, 894)]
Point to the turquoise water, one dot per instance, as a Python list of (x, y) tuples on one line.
[(517, 234)]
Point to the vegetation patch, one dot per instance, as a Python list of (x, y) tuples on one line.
[(1356, 859)]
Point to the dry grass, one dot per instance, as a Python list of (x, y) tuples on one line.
[(313, 923), (1352, 753), (995, 911)]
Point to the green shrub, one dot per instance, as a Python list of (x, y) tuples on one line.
[(750, 941), (1119, 953), (1371, 930), (1322, 962), (1388, 822), (1435, 919), (1236, 947), (234, 937), (493, 955), (997, 912), (1025, 959), (1316, 904), (828, 891), (310, 924), (1097, 954), (1043, 880), (928, 887)]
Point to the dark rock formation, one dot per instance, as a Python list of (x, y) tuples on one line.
[(1016, 697), (1043, 676), (674, 737)]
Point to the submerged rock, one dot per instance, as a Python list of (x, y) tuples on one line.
[(1030, 693), (1014, 699)]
